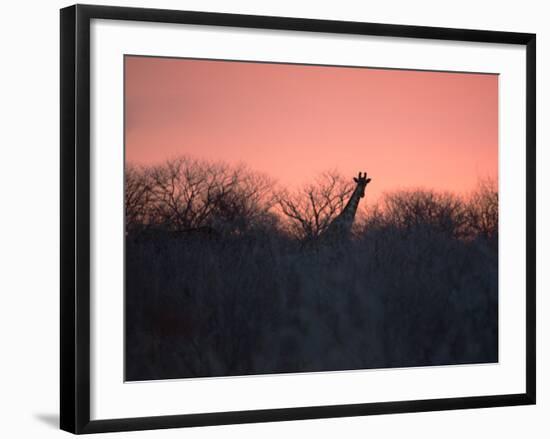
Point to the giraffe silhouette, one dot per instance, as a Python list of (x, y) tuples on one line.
[(340, 227)]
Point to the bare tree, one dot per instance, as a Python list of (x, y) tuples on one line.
[(184, 193), (410, 209), (312, 208), (137, 197), (482, 209), (248, 203), (462, 217)]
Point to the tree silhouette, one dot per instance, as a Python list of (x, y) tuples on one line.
[(441, 212), (313, 207), (185, 194), (482, 210), (137, 197)]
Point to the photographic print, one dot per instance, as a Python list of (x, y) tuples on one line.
[(289, 218)]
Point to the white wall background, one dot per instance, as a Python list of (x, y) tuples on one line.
[(29, 206)]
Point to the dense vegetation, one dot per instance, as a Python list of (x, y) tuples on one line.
[(225, 275)]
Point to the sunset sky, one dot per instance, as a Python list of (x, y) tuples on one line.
[(407, 129)]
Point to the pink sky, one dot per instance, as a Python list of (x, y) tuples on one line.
[(405, 128)]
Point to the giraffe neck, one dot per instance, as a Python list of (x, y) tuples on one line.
[(341, 226), (348, 214)]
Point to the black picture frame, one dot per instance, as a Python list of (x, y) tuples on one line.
[(75, 217)]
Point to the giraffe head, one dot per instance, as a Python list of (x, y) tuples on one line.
[(362, 182)]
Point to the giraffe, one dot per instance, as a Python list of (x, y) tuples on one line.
[(340, 227)]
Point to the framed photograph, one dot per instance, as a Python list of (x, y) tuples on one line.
[(268, 218)]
